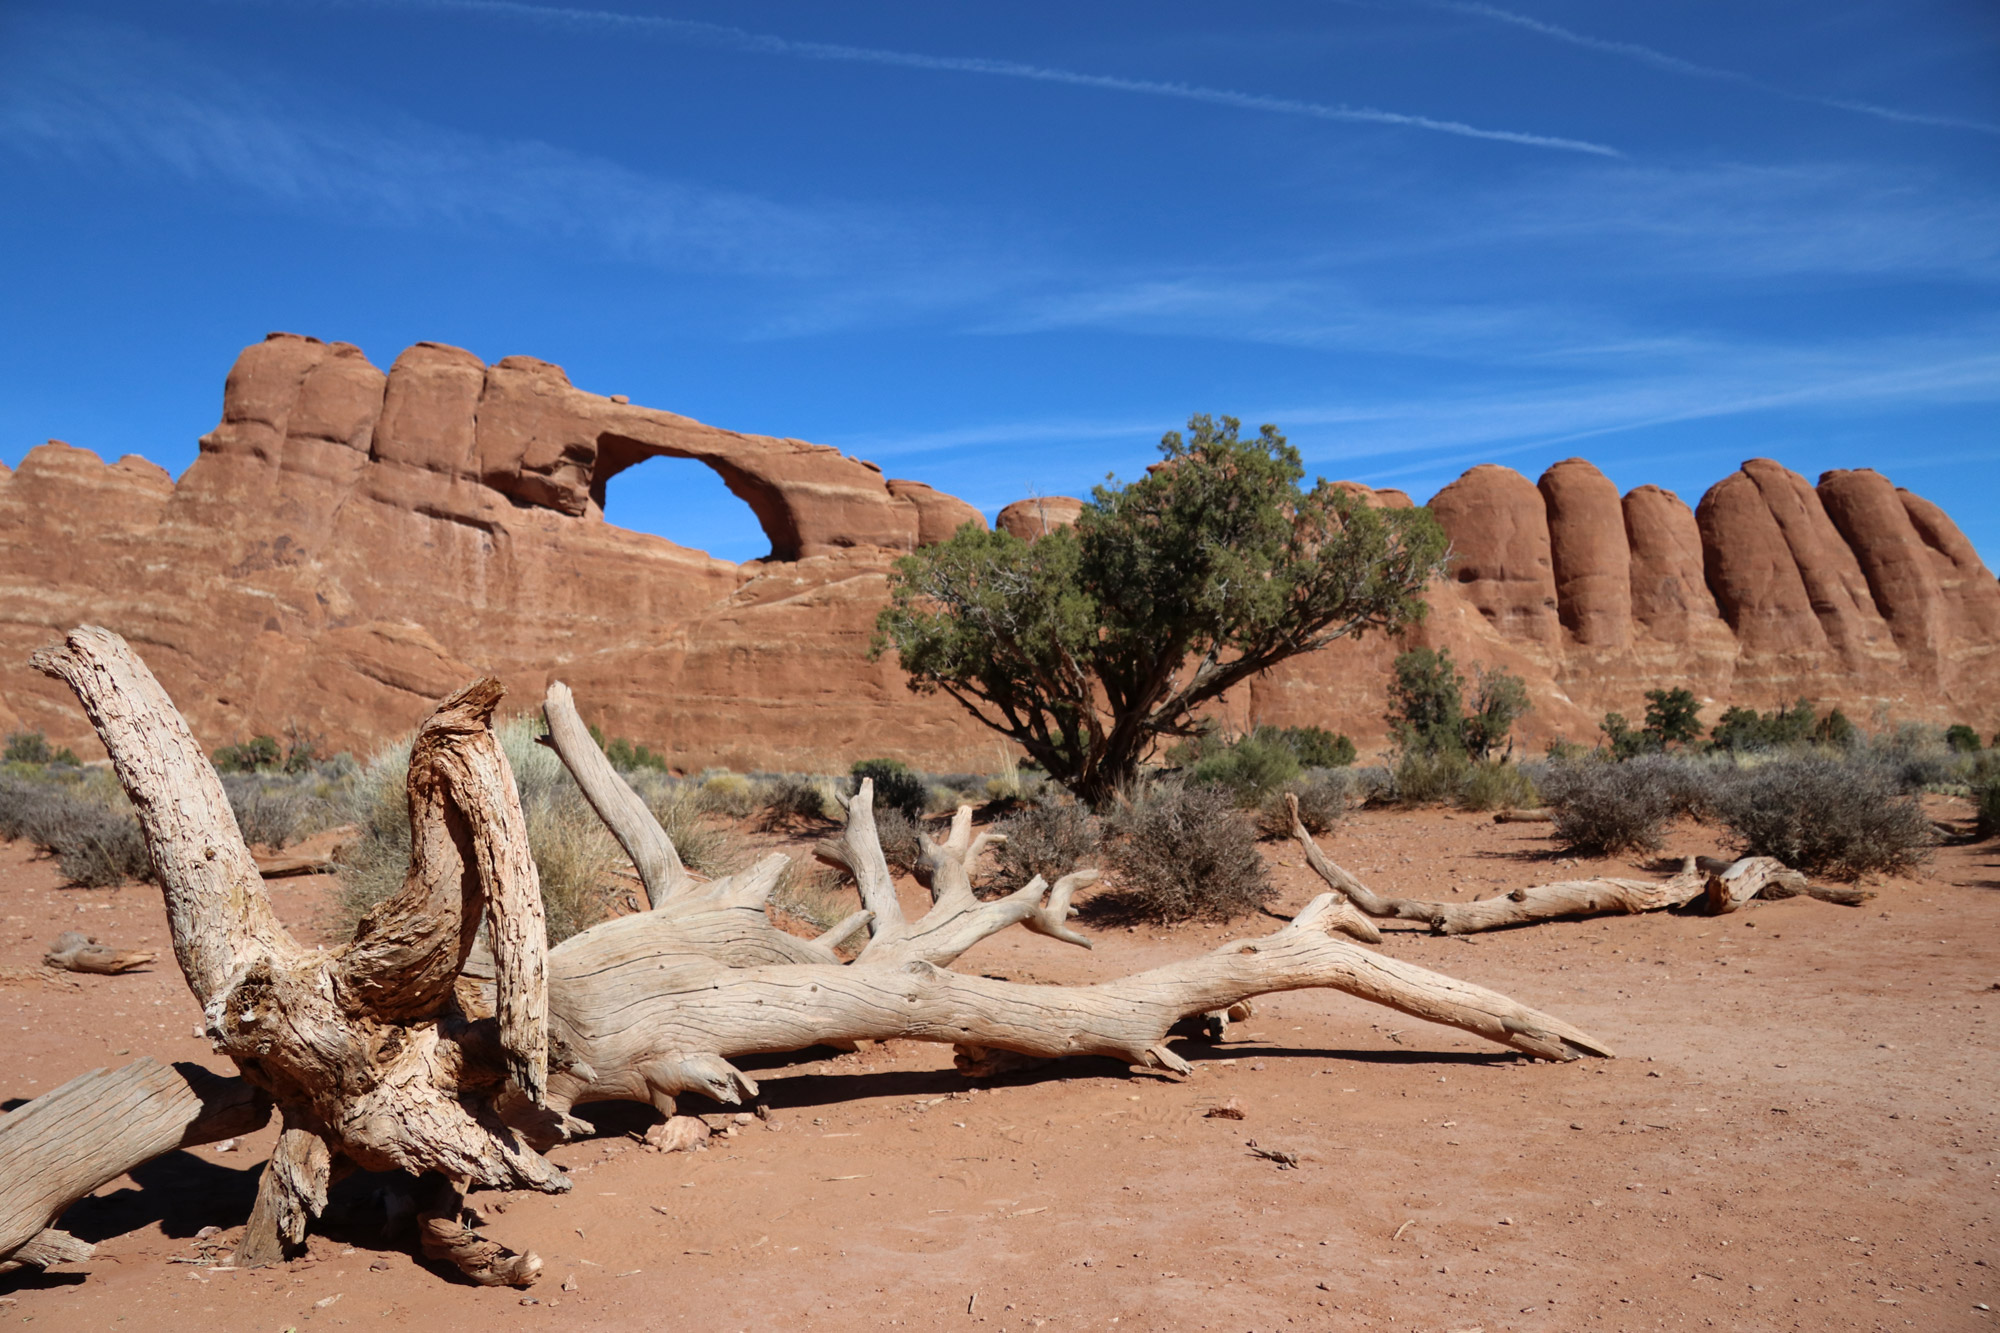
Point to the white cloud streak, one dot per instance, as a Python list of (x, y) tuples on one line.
[(1673, 64), (742, 39)]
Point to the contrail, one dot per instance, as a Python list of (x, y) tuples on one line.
[(1675, 65), (742, 39)]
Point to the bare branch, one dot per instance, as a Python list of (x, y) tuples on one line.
[(621, 809)]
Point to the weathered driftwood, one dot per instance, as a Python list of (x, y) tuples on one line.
[(1538, 816), (1723, 885), (74, 951), (317, 855), (69, 1142), (1731, 884), (364, 1048), (381, 1054)]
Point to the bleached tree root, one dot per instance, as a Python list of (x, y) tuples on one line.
[(1731, 884), (443, 1237), (71, 1141)]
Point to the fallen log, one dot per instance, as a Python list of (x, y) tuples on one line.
[(381, 1054), (1724, 886)]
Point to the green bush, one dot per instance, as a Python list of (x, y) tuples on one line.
[(1426, 702), (1049, 838), (897, 786), (32, 747), (1430, 778), (729, 794), (1492, 784), (1317, 747), (1826, 816), (1986, 800), (1673, 717), (1746, 729), (1498, 701), (1182, 853), (1250, 768), (1962, 738)]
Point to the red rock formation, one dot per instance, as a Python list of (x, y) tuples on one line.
[(351, 545), (1499, 529), (1030, 518)]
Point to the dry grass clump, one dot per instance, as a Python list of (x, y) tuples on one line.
[(1494, 784), (679, 806), (575, 855), (1183, 854), (815, 897), (1429, 777), (791, 800), (1049, 838), (1826, 816), (726, 793)]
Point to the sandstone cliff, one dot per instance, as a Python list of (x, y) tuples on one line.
[(351, 544)]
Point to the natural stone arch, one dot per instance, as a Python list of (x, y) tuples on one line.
[(618, 453)]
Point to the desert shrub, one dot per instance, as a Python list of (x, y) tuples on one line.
[(1426, 701), (1497, 785), (1961, 738), (278, 809), (677, 805), (1183, 853), (86, 823), (1249, 768), (812, 896), (1986, 800), (1916, 756), (1049, 838), (256, 755), (1605, 808), (1322, 795), (1429, 777), (1317, 747), (32, 747), (897, 786), (1497, 703), (901, 838), (1746, 729), (1826, 816), (790, 799), (1372, 785), (727, 793), (1836, 731)]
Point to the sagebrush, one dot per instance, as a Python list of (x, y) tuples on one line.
[(1183, 853)]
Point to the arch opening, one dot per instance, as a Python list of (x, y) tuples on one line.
[(685, 500)]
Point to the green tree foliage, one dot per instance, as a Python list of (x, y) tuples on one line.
[(1087, 646), (1427, 705), (1620, 738), (1743, 728), (32, 747), (1498, 701), (1673, 717), (1961, 738), (1426, 702), (897, 786)]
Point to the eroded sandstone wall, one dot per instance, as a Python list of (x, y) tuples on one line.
[(352, 543)]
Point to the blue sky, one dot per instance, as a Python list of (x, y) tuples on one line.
[(1002, 248)]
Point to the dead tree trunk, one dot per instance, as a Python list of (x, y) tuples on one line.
[(379, 1053), (364, 1048)]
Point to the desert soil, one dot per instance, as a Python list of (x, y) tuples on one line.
[(1798, 1133)]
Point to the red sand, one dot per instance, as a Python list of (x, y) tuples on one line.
[(1798, 1134)]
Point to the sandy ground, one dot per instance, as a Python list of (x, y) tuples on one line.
[(1799, 1133)]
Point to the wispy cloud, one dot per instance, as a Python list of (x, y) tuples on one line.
[(742, 39), (1674, 64), (111, 96)]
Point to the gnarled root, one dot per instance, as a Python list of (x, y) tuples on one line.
[(444, 1238)]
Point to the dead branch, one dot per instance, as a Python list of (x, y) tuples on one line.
[(74, 951), (69, 1142)]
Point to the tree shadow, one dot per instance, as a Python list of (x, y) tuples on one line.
[(180, 1191), (36, 1279)]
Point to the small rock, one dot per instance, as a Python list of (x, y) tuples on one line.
[(1574, 1125), (743, 1117), (1228, 1110), (227, 1145), (683, 1133), (379, 1266), (569, 1283)]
